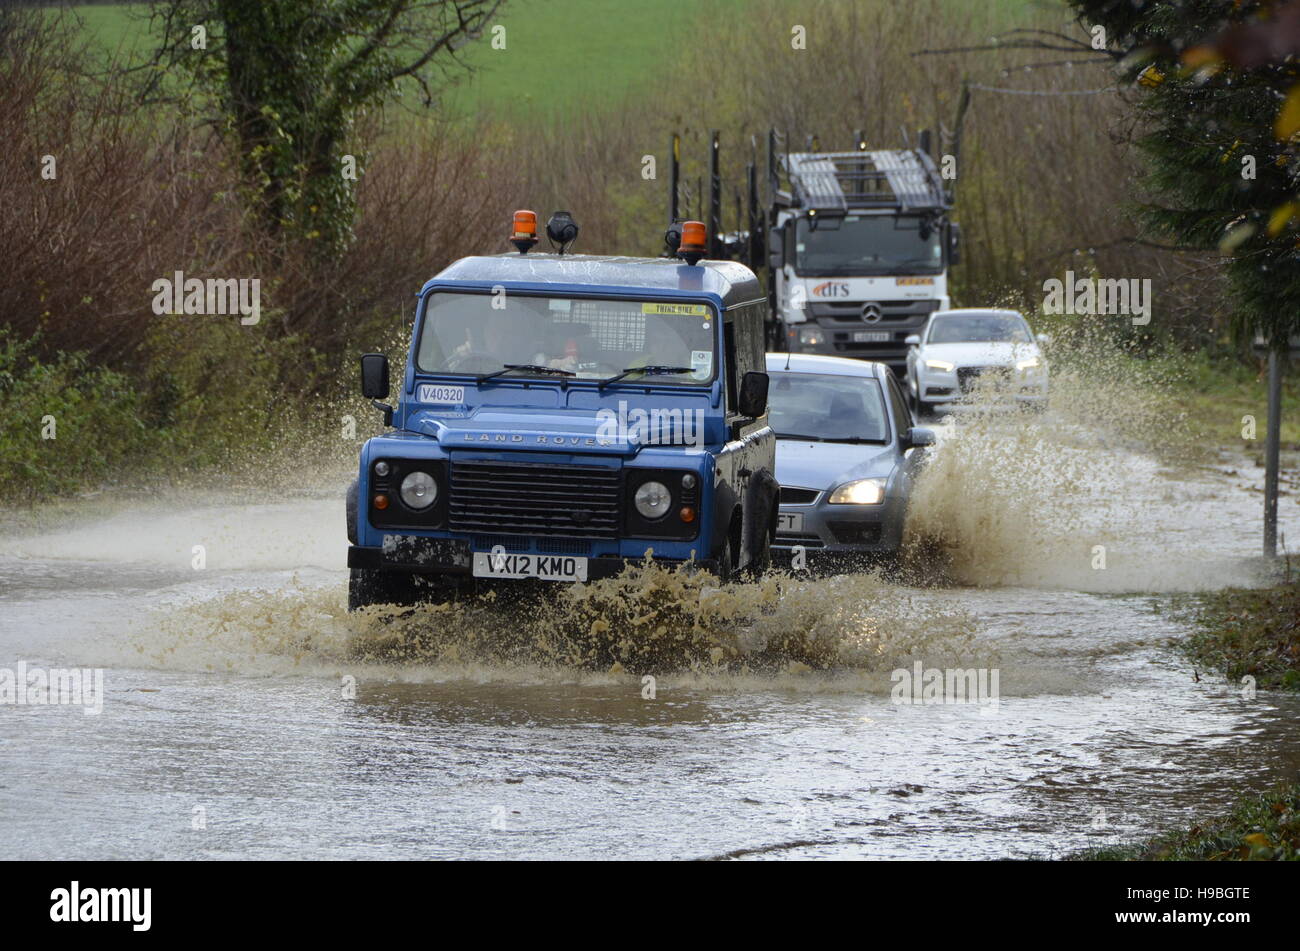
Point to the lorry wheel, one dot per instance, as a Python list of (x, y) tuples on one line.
[(367, 586)]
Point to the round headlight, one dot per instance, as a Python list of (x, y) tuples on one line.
[(419, 490), (381, 468), (652, 499)]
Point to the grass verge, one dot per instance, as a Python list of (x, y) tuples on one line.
[(1249, 632), (1263, 827)]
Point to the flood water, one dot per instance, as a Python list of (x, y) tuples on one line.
[(228, 728)]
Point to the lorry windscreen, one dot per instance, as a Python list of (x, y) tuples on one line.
[(477, 334), (868, 245)]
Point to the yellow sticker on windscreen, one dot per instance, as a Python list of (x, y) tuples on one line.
[(689, 310)]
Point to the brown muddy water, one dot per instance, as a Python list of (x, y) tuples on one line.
[(246, 715)]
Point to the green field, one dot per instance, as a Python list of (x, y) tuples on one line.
[(564, 54), (557, 53)]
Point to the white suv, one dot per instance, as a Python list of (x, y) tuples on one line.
[(960, 351)]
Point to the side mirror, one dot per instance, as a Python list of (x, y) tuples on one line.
[(776, 249), (374, 376), (753, 394), (913, 340), (918, 437), (954, 243), (1043, 339)]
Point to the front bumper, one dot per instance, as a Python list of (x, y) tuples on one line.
[(843, 529), (842, 339), (944, 389), (454, 558)]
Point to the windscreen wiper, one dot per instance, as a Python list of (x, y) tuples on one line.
[(800, 436), (853, 439), (530, 367), (653, 369)]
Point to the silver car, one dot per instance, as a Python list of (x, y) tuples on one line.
[(847, 453)]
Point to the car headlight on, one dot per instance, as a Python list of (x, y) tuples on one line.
[(861, 492), (811, 336), (419, 490), (942, 365), (1033, 363), (652, 500)]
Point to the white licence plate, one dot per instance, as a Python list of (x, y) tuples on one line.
[(872, 336), (437, 393), (545, 567), (789, 522)]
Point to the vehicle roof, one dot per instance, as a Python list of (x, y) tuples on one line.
[(815, 363), (959, 311), (729, 282)]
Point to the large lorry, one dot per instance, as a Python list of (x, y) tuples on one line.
[(563, 415), (857, 244)]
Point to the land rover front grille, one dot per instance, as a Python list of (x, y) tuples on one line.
[(534, 499)]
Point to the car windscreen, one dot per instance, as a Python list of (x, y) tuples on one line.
[(590, 339), (868, 244), (826, 406), (980, 328)]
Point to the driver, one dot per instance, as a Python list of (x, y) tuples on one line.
[(507, 338)]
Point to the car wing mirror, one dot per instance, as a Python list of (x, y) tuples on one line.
[(918, 437), (374, 376), (374, 383), (753, 394), (912, 340)]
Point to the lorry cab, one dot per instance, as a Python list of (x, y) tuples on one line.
[(859, 250), (561, 416)]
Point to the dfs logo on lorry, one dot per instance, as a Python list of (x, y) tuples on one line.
[(831, 289)]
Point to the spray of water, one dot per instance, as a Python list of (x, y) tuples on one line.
[(1080, 497), (650, 619)]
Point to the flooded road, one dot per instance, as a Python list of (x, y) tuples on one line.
[(238, 723)]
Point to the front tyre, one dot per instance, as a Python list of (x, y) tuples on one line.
[(367, 586)]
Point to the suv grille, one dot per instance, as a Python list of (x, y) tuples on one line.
[(536, 499), (967, 377)]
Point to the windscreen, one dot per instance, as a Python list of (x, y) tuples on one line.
[(825, 406), (478, 334), (868, 245), (980, 328)]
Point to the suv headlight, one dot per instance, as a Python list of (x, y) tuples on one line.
[(941, 365), (419, 490), (861, 492), (652, 500), (1033, 363)]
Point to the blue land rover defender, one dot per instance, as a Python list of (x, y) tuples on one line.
[(563, 415)]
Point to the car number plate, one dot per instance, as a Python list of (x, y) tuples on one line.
[(436, 393), (872, 336), (546, 567), (789, 522)]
